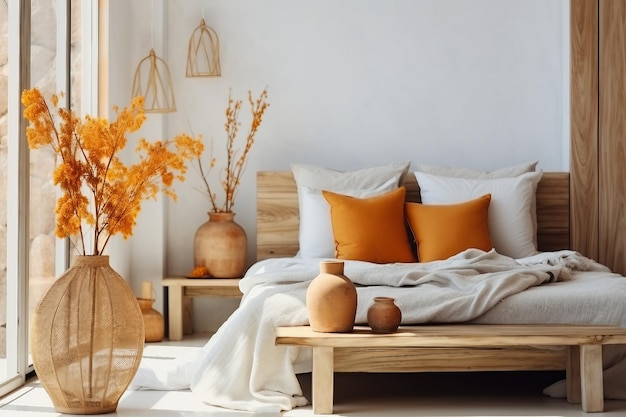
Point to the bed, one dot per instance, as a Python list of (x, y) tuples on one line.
[(242, 368)]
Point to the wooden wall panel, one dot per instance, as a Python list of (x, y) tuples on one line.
[(553, 212), (612, 135), (584, 126)]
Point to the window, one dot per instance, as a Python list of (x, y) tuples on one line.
[(4, 16), (30, 254)]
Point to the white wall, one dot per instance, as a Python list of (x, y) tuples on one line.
[(352, 83)]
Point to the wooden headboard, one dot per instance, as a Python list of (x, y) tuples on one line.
[(278, 214)]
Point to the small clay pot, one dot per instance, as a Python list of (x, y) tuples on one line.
[(384, 316), (153, 321)]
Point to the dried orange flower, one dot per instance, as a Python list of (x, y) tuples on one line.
[(99, 190), (235, 158), (199, 271)]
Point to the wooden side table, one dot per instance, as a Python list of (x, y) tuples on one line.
[(180, 287)]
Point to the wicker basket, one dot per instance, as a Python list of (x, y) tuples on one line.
[(87, 338)]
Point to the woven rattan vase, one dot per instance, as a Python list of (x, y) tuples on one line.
[(87, 338)]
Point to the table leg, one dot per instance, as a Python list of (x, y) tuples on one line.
[(175, 312), (592, 389), (322, 379), (572, 374)]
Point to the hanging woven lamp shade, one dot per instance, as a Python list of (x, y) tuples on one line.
[(203, 55), (154, 82)]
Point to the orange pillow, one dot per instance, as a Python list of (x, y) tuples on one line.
[(370, 229), (443, 230)]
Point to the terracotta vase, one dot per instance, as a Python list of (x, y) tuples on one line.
[(153, 322), (87, 338), (384, 316), (220, 245), (331, 300)]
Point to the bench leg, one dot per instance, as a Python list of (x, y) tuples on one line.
[(175, 312), (322, 379), (592, 389), (572, 375)]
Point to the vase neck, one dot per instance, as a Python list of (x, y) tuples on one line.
[(331, 267), (221, 217), (90, 260)]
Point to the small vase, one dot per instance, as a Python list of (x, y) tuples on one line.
[(153, 321), (220, 245), (384, 316), (87, 338), (331, 300)]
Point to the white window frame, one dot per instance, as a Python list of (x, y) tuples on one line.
[(63, 83), (19, 13)]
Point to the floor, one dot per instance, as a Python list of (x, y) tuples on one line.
[(516, 394)]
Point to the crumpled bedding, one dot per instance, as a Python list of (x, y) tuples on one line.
[(241, 368)]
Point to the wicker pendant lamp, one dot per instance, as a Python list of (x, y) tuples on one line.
[(153, 81), (203, 55)]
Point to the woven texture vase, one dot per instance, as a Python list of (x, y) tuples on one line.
[(87, 338)]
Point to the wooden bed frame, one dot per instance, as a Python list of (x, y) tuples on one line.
[(277, 236)]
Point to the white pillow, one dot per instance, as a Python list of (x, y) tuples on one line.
[(510, 222), (512, 171), (316, 234)]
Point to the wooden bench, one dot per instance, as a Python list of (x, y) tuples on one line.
[(407, 350)]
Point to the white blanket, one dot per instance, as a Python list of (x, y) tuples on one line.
[(241, 368)]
